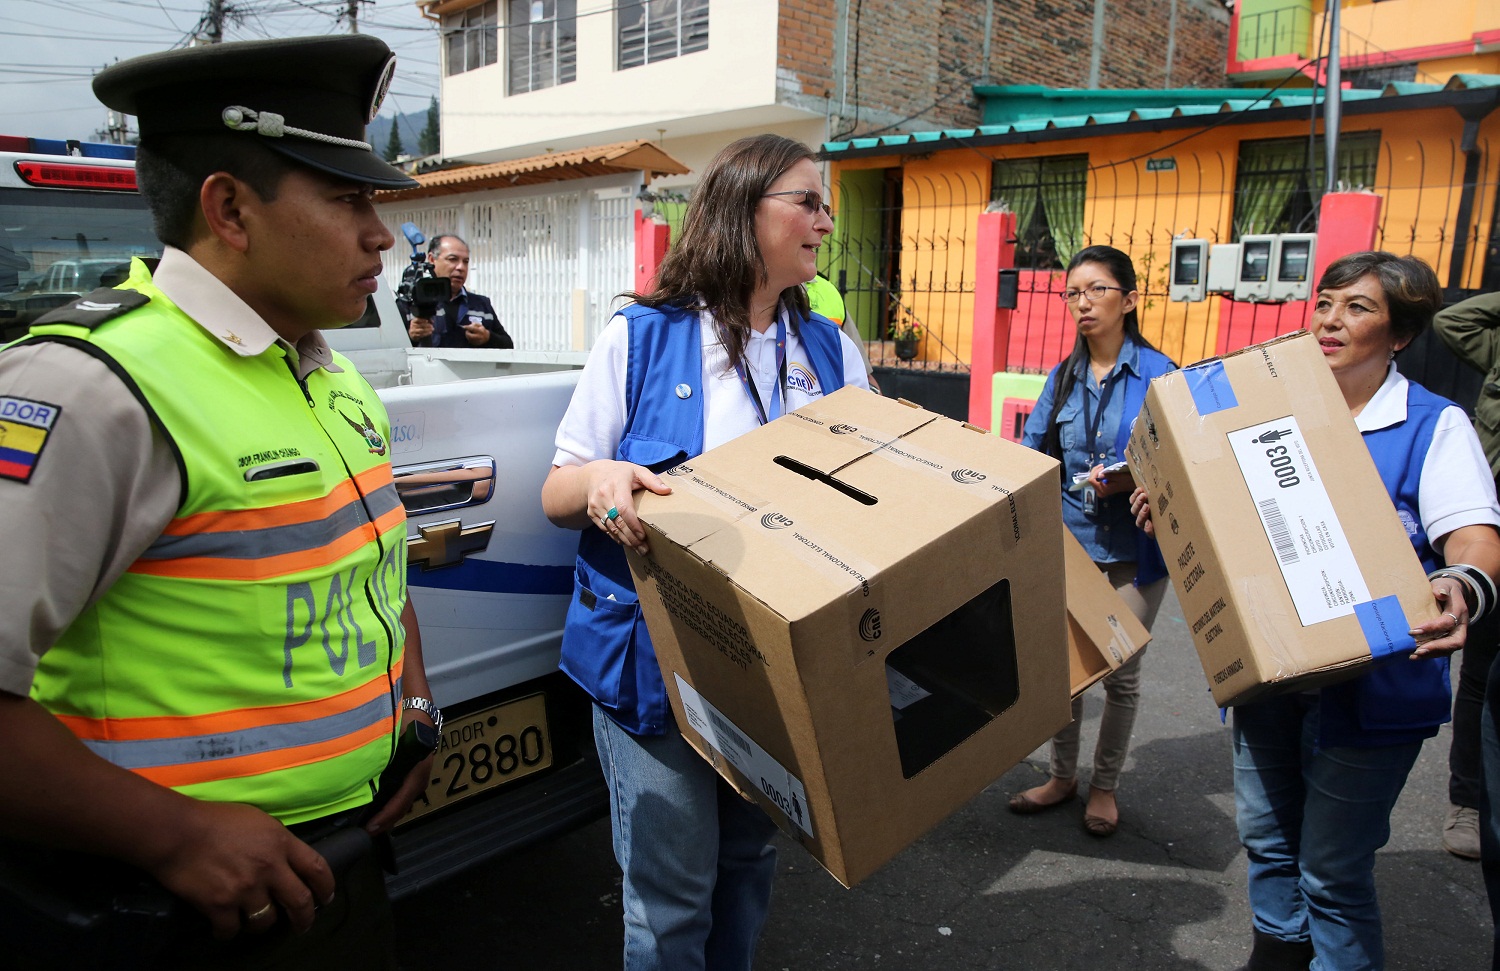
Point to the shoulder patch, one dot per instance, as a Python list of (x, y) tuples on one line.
[(95, 308), (24, 427)]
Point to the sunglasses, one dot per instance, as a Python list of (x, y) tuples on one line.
[(811, 201)]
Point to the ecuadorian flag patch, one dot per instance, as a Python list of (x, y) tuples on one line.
[(24, 427)]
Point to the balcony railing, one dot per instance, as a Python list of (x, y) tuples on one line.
[(1274, 32)]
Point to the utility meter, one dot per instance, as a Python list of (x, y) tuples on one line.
[(1223, 267), (1291, 277), (1257, 257), (1189, 270)]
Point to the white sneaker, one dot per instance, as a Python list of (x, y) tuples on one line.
[(1461, 832)]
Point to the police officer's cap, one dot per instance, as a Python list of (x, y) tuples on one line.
[(308, 98)]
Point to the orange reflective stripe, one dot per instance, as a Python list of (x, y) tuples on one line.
[(373, 478), (267, 517), (225, 568), (238, 767), (221, 722)]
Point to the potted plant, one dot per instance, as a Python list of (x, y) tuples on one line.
[(907, 333)]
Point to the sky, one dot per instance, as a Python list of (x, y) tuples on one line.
[(51, 49)]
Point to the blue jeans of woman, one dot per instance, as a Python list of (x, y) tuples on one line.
[(1311, 819), (696, 857)]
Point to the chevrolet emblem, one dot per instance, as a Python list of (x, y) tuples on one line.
[(447, 543)]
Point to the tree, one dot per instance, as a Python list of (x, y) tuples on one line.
[(393, 146), (430, 142)]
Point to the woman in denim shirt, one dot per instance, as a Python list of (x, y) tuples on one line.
[(1083, 419)]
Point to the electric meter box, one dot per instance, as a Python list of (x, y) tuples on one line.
[(1223, 267), (1257, 259), (1291, 276), (1189, 270)]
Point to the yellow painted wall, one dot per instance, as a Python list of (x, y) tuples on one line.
[(1419, 174)]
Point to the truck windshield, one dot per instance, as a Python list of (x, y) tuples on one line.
[(58, 244)]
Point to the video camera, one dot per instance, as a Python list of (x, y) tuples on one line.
[(421, 288)]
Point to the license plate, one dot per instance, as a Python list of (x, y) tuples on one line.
[(487, 749)]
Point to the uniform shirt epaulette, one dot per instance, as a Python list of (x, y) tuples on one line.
[(95, 308)]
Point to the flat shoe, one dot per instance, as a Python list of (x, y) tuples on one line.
[(1023, 805), (1099, 826)]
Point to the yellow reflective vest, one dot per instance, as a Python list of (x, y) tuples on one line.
[(253, 653)]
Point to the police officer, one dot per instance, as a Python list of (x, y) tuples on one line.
[(208, 654), (466, 318)]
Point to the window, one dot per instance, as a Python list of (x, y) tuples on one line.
[(469, 38), (654, 30), (1046, 194), (541, 43), (1275, 184)]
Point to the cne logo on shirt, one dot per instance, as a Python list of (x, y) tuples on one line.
[(800, 377)]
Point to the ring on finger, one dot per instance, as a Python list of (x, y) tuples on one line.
[(1456, 623), (262, 913)]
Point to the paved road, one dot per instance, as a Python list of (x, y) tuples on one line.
[(989, 890)]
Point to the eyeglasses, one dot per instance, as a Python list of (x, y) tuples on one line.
[(1095, 292), (811, 201)]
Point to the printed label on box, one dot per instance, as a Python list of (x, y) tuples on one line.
[(1314, 556), (754, 762), (904, 691)]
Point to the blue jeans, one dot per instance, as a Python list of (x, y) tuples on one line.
[(1311, 819), (695, 855)]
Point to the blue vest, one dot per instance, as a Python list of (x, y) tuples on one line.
[(606, 647), (1398, 700)]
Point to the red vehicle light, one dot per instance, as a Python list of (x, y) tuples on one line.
[(75, 175)]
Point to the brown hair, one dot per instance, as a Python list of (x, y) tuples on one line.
[(716, 263), (1412, 292)]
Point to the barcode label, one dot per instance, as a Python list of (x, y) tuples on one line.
[(1276, 528), (728, 733), (761, 770), (1299, 520)]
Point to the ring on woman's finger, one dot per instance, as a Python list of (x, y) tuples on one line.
[(1456, 624), (266, 911), (613, 514)]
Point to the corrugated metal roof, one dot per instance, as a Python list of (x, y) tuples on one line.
[(1291, 99), (578, 163)]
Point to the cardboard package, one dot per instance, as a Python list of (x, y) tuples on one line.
[(1102, 632), (1291, 564), (856, 612)]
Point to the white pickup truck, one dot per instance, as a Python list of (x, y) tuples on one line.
[(471, 442)]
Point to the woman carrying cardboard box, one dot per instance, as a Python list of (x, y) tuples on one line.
[(700, 360), (1082, 418), (1316, 773)]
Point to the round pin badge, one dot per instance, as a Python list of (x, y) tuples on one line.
[(684, 391), (387, 73)]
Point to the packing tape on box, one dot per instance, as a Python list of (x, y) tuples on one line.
[(1386, 628), (1209, 385)]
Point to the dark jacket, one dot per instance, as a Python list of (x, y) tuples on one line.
[(451, 316)]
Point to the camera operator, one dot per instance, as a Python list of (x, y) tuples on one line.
[(465, 318)]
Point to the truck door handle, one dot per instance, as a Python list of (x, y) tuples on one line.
[(449, 484)]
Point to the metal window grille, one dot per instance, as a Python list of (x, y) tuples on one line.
[(1032, 187), (1278, 180), (655, 30)]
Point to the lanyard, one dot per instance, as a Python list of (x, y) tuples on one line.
[(1092, 425), (754, 393)]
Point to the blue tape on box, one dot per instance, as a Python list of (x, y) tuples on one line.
[(1210, 388), (1385, 626)]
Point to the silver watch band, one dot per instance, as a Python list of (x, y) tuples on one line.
[(426, 707)]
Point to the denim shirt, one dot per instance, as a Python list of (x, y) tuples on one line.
[(1109, 535)]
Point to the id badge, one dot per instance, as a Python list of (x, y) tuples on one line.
[(1090, 501)]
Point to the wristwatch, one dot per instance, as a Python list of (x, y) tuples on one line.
[(426, 707)]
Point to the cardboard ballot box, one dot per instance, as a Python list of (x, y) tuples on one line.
[(858, 613), (1291, 564), (1103, 633)]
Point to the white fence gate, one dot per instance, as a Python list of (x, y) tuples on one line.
[(551, 258)]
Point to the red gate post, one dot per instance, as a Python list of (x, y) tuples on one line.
[(1347, 223), (995, 249), (651, 240)]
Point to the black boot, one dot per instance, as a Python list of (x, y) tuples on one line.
[(1274, 954)]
